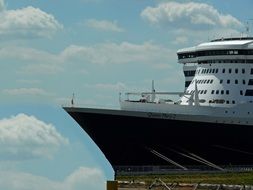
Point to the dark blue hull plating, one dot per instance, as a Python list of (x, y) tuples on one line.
[(139, 141)]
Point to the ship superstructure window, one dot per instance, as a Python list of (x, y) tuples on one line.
[(229, 70), (189, 73), (228, 81), (212, 92), (227, 102), (251, 71), (241, 92), (187, 83), (233, 102), (243, 71), (214, 53), (221, 81), (250, 82), (249, 92), (243, 82), (223, 70), (217, 91), (236, 81), (236, 71), (227, 91), (222, 91)]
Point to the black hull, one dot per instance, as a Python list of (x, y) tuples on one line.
[(129, 141)]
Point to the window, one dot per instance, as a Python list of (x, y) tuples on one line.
[(216, 70), (251, 71), (210, 70), (236, 70), (221, 81), (230, 70), (223, 70), (241, 92), (213, 71), (228, 81), (250, 82), (189, 73), (208, 81), (243, 71), (227, 102), (243, 82), (217, 91), (205, 81), (211, 81), (187, 83), (227, 91), (222, 91), (212, 92), (233, 102), (236, 81), (205, 91)]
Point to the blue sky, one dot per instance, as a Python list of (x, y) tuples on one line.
[(95, 49)]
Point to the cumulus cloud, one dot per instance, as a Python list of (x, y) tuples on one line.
[(104, 25), (28, 22), (190, 15), (34, 61), (82, 178), (113, 53), (26, 137)]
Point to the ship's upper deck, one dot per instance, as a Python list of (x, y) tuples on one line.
[(219, 49)]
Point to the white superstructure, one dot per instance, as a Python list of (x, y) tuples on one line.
[(218, 81)]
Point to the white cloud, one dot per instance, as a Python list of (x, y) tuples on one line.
[(113, 53), (104, 25), (82, 178), (190, 15), (25, 137), (26, 91), (33, 61), (28, 22)]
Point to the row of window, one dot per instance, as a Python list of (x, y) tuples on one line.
[(226, 61), (215, 53), (222, 101), (189, 73), (230, 70), (212, 92), (217, 101), (248, 92), (236, 81), (206, 81), (210, 81)]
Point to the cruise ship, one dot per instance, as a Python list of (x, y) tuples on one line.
[(209, 125)]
